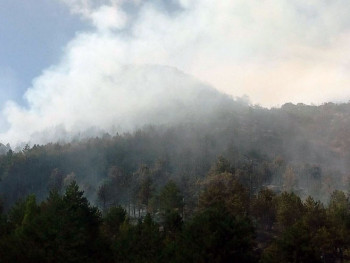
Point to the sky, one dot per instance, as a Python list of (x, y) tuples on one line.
[(56, 55)]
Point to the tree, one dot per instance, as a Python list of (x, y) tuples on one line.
[(69, 179), (3, 220), (224, 190), (215, 235), (264, 208), (222, 165), (289, 209), (73, 225), (145, 191), (113, 220), (303, 239), (339, 216), (315, 216), (294, 245), (104, 195), (118, 184), (56, 180), (140, 243), (289, 180), (170, 197)]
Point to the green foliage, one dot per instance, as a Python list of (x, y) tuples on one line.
[(216, 236), (289, 209), (294, 245), (145, 190), (172, 222), (170, 197), (16, 214), (66, 228), (264, 207), (113, 220), (201, 214), (140, 243), (62, 229), (222, 165), (104, 195), (315, 216), (224, 190)]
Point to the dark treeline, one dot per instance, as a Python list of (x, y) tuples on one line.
[(227, 224), (298, 147), (154, 194)]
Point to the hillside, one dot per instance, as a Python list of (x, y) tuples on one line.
[(309, 141)]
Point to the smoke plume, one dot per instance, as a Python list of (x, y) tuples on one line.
[(126, 71)]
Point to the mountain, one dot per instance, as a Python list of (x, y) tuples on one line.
[(131, 97), (303, 146)]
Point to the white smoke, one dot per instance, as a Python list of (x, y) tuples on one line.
[(275, 51)]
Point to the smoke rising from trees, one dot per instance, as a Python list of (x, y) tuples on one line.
[(106, 75)]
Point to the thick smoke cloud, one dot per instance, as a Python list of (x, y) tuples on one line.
[(275, 51)]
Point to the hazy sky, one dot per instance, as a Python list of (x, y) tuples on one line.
[(274, 51)]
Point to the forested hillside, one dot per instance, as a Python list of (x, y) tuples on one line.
[(226, 224), (255, 175), (296, 147), (184, 131)]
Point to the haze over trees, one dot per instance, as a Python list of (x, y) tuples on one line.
[(129, 131), (227, 224), (248, 183)]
